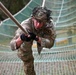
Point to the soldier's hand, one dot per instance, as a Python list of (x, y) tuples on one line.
[(32, 35), (25, 37), (29, 37)]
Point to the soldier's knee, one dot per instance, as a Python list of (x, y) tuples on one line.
[(25, 56)]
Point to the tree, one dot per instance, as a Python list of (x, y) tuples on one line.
[(13, 6)]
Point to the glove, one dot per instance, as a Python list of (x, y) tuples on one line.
[(25, 37), (33, 36), (29, 38)]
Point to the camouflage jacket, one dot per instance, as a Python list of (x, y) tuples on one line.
[(46, 33)]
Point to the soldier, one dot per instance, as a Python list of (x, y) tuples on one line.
[(41, 29)]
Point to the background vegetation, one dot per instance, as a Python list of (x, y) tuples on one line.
[(13, 6)]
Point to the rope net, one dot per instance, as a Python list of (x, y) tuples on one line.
[(59, 60)]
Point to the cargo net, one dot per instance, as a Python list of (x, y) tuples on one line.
[(59, 60)]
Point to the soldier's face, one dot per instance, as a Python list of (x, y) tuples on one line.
[(38, 24)]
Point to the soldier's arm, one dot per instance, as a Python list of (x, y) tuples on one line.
[(48, 40), (16, 41)]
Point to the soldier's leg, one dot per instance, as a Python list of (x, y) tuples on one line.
[(29, 66), (26, 56)]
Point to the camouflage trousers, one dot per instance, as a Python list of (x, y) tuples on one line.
[(28, 60)]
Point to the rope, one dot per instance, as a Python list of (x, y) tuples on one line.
[(4, 46), (60, 12), (43, 4), (0, 23)]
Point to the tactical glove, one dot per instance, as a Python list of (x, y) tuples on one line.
[(27, 38)]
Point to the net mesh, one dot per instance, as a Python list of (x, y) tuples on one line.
[(59, 60)]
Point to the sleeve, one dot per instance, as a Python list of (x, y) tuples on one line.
[(17, 34), (49, 36), (47, 43), (13, 41)]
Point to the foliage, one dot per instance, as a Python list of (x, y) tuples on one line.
[(13, 6)]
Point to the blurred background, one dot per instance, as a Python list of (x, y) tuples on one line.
[(13, 6), (59, 60)]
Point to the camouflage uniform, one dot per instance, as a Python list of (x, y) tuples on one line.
[(47, 34)]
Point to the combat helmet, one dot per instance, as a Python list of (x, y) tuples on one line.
[(41, 13)]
